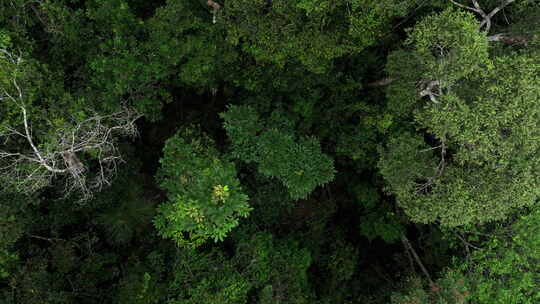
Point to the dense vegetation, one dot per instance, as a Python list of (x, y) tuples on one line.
[(270, 151)]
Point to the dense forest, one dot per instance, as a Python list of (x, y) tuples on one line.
[(270, 151)]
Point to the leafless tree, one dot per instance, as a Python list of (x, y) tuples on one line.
[(39, 159)]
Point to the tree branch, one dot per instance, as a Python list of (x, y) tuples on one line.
[(486, 17), (382, 82), (409, 247), (438, 171), (509, 39), (31, 142), (428, 90), (464, 6), (32, 167), (216, 7)]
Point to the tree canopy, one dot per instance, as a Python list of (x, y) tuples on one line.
[(269, 152)]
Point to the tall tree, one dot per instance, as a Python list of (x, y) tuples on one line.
[(42, 141), (205, 198), (480, 115)]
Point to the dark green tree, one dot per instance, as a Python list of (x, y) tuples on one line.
[(298, 164), (312, 32)]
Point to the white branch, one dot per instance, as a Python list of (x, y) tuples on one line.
[(35, 166), (486, 17), (428, 90), (510, 39), (28, 136), (465, 7)]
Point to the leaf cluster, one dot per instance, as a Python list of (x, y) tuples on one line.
[(205, 198), (298, 164)]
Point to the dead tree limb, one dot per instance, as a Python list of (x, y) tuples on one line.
[(41, 158), (486, 17), (428, 90), (439, 170), (410, 248), (216, 7), (509, 39), (382, 82)]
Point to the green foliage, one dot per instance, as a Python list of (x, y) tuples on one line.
[(313, 32), (271, 203), (242, 124), (140, 284), (6, 260), (12, 228), (338, 262), (36, 285), (503, 270), (54, 275), (381, 223), (15, 72), (445, 47), (182, 35), (123, 65), (481, 126), (205, 196), (451, 288), (128, 210), (17, 18), (5, 40), (120, 57), (299, 165), (452, 139), (506, 269), (378, 219), (262, 270), (276, 268), (207, 278), (402, 164)]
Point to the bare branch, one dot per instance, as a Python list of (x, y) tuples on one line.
[(382, 82), (38, 164), (439, 170), (486, 17), (28, 137), (467, 244), (428, 90), (509, 39), (464, 6), (410, 248), (216, 7)]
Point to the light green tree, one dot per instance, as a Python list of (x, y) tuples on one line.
[(205, 198), (480, 116), (506, 268), (503, 268)]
